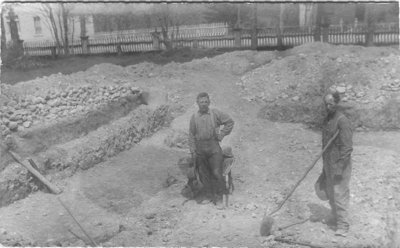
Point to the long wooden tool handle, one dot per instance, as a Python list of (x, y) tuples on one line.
[(306, 173), (77, 222), (36, 173), (288, 241), (293, 224)]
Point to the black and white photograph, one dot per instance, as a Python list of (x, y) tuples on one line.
[(200, 124)]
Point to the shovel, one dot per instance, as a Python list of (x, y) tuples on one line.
[(268, 221)]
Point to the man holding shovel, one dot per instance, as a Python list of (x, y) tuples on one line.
[(335, 178), (204, 138)]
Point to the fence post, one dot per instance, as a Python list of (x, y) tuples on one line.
[(155, 36), (254, 36), (54, 51), (325, 33), (21, 46), (85, 44), (254, 39), (195, 43), (119, 49), (369, 35), (237, 32), (279, 38), (325, 23)]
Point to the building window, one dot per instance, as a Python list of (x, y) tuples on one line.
[(37, 24)]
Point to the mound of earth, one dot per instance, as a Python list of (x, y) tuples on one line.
[(292, 86), (123, 200), (237, 63)]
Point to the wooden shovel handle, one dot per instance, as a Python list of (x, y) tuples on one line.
[(36, 173), (288, 241), (306, 173)]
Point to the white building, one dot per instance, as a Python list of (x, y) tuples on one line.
[(34, 24)]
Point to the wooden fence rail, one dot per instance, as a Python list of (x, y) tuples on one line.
[(267, 37)]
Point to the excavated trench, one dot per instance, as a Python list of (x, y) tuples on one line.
[(41, 137), (68, 145)]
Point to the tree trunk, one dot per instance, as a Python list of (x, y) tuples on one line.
[(317, 32), (302, 14), (370, 21), (13, 26), (61, 29), (72, 32), (65, 25), (281, 23), (254, 40), (165, 33), (238, 16), (16, 47), (54, 27), (3, 36)]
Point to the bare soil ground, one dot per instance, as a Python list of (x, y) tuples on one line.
[(124, 201), (49, 66)]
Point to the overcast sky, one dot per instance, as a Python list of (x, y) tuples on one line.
[(111, 7), (107, 8)]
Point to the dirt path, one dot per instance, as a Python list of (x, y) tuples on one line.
[(122, 202)]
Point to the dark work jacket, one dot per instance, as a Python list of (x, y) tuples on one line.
[(338, 155)]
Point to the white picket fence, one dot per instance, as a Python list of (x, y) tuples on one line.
[(217, 36), (183, 32)]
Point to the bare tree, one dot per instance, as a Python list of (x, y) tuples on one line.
[(232, 14), (370, 20), (13, 25), (58, 19), (320, 12), (71, 23), (254, 39), (16, 49), (3, 34), (64, 17), (281, 23), (169, 20), (48, 14)]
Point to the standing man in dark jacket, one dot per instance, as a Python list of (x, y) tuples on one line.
[(204, 138), (337, 162)]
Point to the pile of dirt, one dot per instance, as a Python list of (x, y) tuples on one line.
[(237, 63), (71, 122), (128, 190), (65, 159), (59, 108), (23, 111), (292, 86)]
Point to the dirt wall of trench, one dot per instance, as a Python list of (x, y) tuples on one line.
[(41, 137), (63, 160)]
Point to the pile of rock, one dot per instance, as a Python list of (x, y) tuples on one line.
[(24, 111), (292, 87), (237, 62), (348, 93), (392, 86)]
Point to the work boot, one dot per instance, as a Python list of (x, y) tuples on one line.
[(342, 228), (342, 232), (206, 199), (218, 201), (330, 220)]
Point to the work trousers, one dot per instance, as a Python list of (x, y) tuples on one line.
[(209, 159), (338, 192)]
